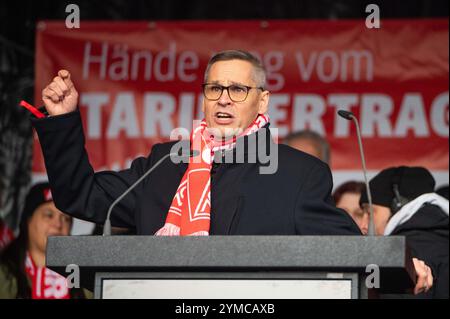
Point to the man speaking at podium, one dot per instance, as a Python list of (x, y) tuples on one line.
[(207, 196)]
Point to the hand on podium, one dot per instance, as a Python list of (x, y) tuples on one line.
[(424, 277)]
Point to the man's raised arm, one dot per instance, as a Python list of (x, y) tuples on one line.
[(76, 189)]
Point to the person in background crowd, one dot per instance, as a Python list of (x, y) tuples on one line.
[(22, 264), (346, 197), (405, 204), (310, 142)]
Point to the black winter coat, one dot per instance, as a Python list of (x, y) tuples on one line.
[(294, 201)]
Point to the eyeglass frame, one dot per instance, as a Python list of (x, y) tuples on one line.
[(223, 87)]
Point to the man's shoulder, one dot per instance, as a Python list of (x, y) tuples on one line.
[(290, 157)]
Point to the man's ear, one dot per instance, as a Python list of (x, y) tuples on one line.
[(264, 102)]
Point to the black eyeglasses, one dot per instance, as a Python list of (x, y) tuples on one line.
[(237, 93)]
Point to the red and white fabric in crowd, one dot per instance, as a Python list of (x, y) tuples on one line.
[(45, 283)]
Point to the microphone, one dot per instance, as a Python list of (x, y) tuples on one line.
[(350, 116), (182, 157), (345, 114)]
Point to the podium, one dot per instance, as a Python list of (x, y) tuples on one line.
[(234, 267)]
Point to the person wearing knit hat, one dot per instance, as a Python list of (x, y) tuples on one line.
[(404, 203), (22, 264)]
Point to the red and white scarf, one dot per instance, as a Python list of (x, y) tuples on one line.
[(45, 283), (190, 212)]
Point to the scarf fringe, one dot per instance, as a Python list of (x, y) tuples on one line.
[(168, 230), (173, 230)]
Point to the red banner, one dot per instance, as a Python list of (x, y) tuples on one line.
[(138, 81)]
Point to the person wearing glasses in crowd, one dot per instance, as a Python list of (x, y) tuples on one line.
[(284, 192)]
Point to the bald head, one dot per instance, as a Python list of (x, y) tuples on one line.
[(310, 142)]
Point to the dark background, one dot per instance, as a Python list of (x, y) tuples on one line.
[(17, 35)]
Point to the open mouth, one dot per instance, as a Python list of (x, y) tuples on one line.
[(223, 115)]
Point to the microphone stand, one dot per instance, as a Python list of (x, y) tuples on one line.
[(107, 225), (350, 116)]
